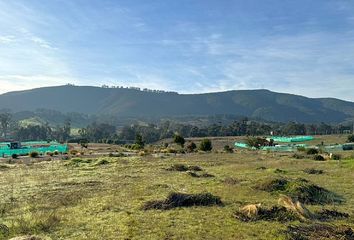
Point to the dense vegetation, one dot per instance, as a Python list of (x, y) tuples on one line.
[(104, 132)]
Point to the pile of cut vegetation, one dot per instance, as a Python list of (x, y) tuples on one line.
[(202, 175), (184, 168), (287, 209), (319, 231), (175, 200), (300, 189)]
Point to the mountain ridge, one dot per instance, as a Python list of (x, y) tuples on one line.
[(128, 102)]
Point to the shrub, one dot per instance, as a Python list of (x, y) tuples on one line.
[(205, 145), (178, 139), (256, 142), (301, 149), (139, 141), (318, 157), (312, 151), (350, 138), (49, 154), (34, 154), (228, 149), (298, 156), (73, 152), (14, 156), (191, 147), (336, 156)]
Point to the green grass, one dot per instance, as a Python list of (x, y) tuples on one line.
[(102, 198)]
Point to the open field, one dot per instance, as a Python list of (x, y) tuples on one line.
[(101, 197)]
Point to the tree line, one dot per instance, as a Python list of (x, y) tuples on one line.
[(104, 132)]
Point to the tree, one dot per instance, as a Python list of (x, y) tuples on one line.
[(139, 141), (178, 139), (205, 145), (5, 120)]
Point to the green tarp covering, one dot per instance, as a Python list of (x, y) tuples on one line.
[(291, 139), (28, 147)]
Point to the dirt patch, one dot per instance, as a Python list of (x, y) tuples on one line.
[(175, 200), (300, 189), (319, 231)]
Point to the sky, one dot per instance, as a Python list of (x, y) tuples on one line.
[(303, 47)]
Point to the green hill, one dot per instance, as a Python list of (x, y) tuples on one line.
[(123, 102)]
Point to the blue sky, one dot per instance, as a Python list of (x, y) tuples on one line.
[(304, 47)]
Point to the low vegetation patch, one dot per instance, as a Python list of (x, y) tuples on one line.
[(252, 213), (202, 175), (184, 168), (318, 157), (326, 214), (318, 231), (300, 189), (313, 171), (78, 161), (231, 181), (298, 156), (312, 151), (34, 154), (175, 200)]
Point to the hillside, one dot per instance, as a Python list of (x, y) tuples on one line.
[(124, 102)]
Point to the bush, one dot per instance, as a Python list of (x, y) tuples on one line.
[(298, 156), (256, 142), (205, 145), (34, 154), (14, 156), (336, 156), (318, 157), (312, 151), (73, 152), (178, 139), (228, 149), (301, 149), (350, 138), (191, 147), (49, 154)]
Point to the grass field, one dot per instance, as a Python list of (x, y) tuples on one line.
[(102, 197)]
